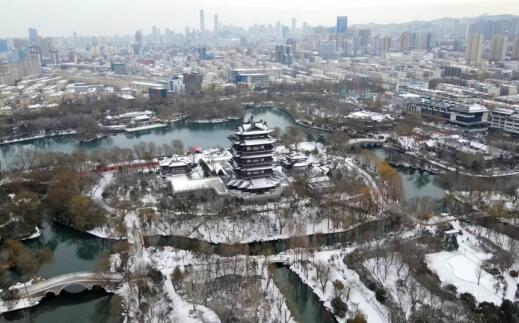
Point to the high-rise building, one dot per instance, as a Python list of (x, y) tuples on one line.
[(342, 24), (285, 32), (19, 43), (202, 53), (355, 44), (430, 41), (292, 42), (473, 48), (284, 54), (294, 24), (45, 47), (386, 44), (405, 41), (498, 47), (54, 56), (12, 72), (376, 45), (216, 26), (515, 49), (327, 48), (137, 45), (192, 82), (365, 37), (3, 46), (33, 37), (419, 41), (202, 22)]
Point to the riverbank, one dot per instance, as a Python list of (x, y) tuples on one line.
[(43, 136), (303, 303), (418, 161), (302, 123), (214, 121)]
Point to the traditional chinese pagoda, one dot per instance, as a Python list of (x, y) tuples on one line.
[(252, 150)]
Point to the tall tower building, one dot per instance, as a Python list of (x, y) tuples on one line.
[(54, 56), (405, 41), (342, 24), (430, 41), (3, 46), (216, 25), (498, 48), (33, 37), (202, 22), (515, 49), (137, 45), (365, 37), (294, 24), (386, 44), (473, 48)]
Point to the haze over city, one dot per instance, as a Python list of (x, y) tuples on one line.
[(273, 161), (100, 17)]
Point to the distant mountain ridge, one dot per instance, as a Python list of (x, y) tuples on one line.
[(435, 21)]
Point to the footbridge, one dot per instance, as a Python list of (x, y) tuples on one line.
[(30, 294), (367, 142)]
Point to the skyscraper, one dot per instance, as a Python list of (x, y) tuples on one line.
[(284, 54), (294, 24), (202, 22), (498, 47), (473, 48), (342, 24), (54, 56), (327, 48), (405, 41), (365, 37), (3, 46), (33, 37), (430, 41), (386, 44), (137, 45), (515, 50), (216, 24)]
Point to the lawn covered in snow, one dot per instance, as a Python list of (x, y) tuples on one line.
[(462, 268)]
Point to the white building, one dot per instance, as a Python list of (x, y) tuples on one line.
[(505, 119)]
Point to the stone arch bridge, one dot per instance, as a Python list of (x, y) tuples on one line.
[(30, 295)]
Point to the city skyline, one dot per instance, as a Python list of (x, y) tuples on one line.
[(61, 18)]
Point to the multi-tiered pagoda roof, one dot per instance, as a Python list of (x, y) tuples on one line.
[(252, 151)]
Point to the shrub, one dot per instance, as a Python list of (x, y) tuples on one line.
[(339, 307), (469, 299), (359, 318), (380, 295)]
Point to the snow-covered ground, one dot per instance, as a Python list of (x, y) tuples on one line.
[(356, 295), (490, 198), (205, 269), (462, 268), (396, 277)]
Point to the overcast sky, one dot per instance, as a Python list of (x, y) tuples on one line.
[(109, 17)]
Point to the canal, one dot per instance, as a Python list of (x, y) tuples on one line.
[(72, 251), (305, 306), (416, 183)]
